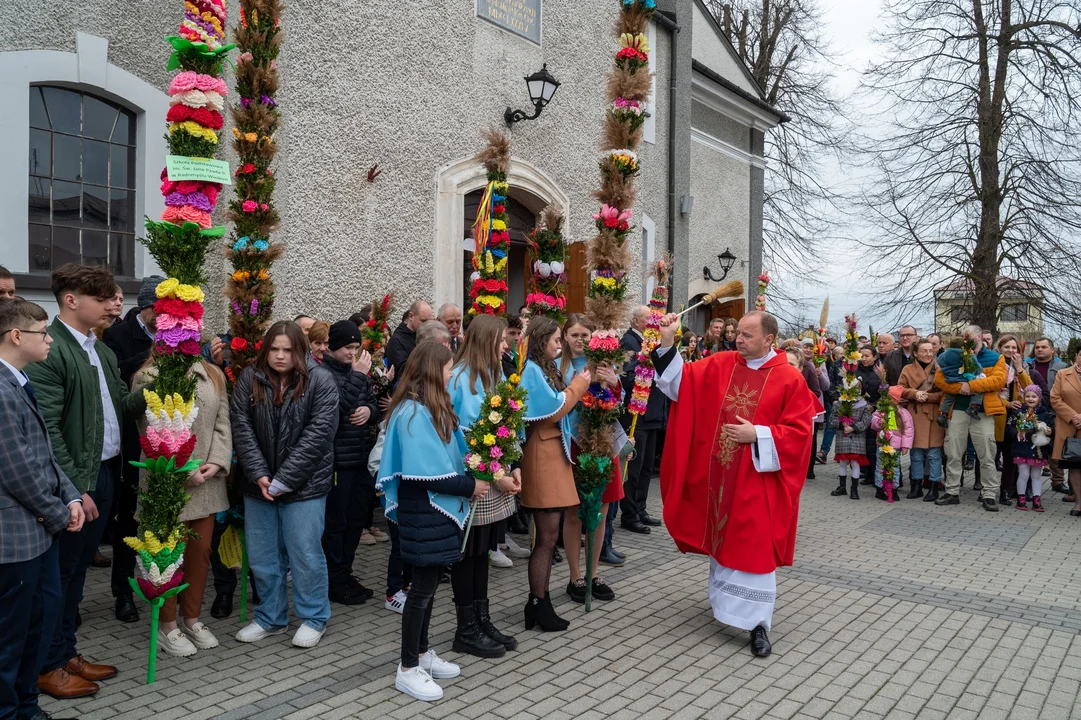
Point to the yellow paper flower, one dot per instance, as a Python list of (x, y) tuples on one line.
[(499, 225), (472, 442), (489, 263), (514, 379), (237, 134), (195, 129), (496, 401), (888, 450), (489, 439), (500, 265), (241, 276), (167, 287), (153, 402), (251, 137), (190, 293)]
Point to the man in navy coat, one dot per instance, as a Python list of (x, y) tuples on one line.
[(37, 503)]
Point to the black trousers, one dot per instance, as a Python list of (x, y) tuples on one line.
[(76, 553), (871, 436), (29, 599), (417, 614), (399, 573), (124, 525), (639, 475), (348, 507)]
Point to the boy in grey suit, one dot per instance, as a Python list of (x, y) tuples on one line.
[(37, 503)]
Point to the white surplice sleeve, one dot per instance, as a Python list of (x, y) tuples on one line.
[(668, 381), (765, 451)]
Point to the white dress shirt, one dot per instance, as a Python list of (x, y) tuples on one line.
[(110, 446)]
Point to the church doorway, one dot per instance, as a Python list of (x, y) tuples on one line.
[(522, 218)]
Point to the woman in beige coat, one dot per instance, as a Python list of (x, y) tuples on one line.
[(206, 485), (547, 476), (918, 381), (1066, 402)]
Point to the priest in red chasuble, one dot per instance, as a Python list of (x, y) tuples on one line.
[(735, 459)]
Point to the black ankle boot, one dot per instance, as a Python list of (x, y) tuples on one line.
[(855, 494), (1004, 498), (916, 490), (470, 639), (538, 611), (932, 494), (841, 489), (486, 626), (548, 599)]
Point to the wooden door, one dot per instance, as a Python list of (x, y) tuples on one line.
[(731, 309), (577, 278)]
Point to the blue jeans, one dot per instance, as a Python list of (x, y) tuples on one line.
[(828, 432), (281, 537), (609, 524), (76, 553), (932, 457)]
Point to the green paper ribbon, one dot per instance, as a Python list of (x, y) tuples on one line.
[(155, 610), (163, 465), (182, 45), (891, 423)]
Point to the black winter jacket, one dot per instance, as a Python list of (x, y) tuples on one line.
[(429, 537), (292, 444), (352, 443), (132, 347), (399, 348), (655, 417)]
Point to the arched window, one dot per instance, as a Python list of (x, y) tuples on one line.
[(82, 181)]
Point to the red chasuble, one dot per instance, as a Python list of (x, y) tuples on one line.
[(715, 502)]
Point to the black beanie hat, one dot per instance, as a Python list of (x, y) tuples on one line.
[(342, 333)]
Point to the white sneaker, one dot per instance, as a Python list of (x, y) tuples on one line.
[(200, 636), (417, 683), (437, 668), (174, 643), (512, 549), (366, 538), (307, 636), (396, 603), (499, 560), (253, 632)]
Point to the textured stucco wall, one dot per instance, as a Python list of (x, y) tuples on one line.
[(711, 50), (721, 218)]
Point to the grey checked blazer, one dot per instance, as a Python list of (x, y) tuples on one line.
[(34, 491)]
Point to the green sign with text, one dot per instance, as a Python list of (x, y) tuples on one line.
[(201, 169)]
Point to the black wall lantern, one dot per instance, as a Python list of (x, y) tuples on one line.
[(542, 86), (727, 260)]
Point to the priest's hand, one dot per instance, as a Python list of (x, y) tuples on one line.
[(743, 433), (669, 326)]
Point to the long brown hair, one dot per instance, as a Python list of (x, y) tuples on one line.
[(423, 381), (541, 329), (298, 349), (480, 350), (572, 320)]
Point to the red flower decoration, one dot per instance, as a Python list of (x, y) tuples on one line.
[(205, 117), (239, 344), (258, 344), (190, 347)]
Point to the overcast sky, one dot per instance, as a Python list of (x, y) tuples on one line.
[(850, 23)]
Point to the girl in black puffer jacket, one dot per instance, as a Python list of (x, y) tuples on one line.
[(284, 417), (427, 492)]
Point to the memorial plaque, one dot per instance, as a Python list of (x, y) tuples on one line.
[(521, 17)]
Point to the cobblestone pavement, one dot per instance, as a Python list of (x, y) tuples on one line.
[(891, 611)]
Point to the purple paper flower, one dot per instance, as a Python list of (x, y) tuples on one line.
[(197, 200), (245, 101), (268, 101), (254, 306), (236, 308)]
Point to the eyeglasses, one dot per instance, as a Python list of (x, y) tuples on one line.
[(908, 334), (42, 333)]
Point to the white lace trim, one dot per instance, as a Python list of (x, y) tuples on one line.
[(460, 524), (562, 402)]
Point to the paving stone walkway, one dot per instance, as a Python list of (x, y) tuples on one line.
[(892, 611)]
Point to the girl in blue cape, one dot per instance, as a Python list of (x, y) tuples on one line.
[(427, 494), (547, 478), (477, 372)]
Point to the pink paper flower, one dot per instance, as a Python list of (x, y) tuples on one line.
[(249, 206)]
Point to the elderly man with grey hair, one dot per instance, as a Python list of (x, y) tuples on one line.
[(979, 425), (648, 429), (451, 315), (433, 331)]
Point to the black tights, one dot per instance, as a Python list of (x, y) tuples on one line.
[(417, 614), (540, 562), (469, 576)]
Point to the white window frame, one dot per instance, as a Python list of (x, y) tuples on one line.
[(649, 254), (649, 127), (87, 69)]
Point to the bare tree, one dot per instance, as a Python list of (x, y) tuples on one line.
[(783, 46), (977, 166)]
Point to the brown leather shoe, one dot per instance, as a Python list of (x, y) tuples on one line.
[(62, 685), (89, 671)]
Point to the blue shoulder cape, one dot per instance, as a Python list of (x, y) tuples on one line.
[(412, 449), (466, 400), (543, 401)]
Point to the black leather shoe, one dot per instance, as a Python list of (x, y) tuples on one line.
[(915, 491), (1004, 499), (608, 557), (841, 489), (601, 591), (649, 521), (989, 505), (635, 526), (577, 590), (760, 646), (222, 607), (948, 500), (932, 494), (556, 557), (126, 610), (855, 493)]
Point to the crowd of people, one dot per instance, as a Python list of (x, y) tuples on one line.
[(314, 435), (1006, 423)]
